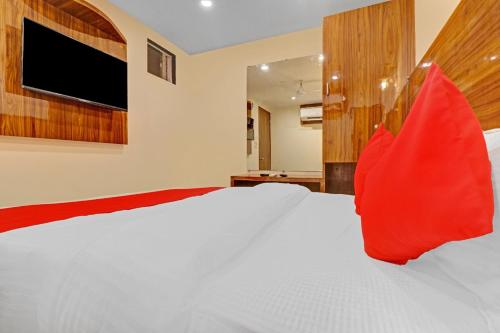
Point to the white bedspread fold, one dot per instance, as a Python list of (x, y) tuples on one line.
[(130, 271)]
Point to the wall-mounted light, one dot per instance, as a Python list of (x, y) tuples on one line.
[(264, 67)]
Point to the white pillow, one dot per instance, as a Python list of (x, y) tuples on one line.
[(475, 263), (492, 138)]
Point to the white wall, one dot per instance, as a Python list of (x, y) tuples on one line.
[(430, 17), (295, 147)]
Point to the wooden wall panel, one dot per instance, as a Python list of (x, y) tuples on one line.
[(90, 14), (468, 51), (30, 114), (369, 53)]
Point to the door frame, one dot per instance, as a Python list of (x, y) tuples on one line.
[(262, 159)]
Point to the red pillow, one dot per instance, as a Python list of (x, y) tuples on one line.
[(376, 147), (433, 185)]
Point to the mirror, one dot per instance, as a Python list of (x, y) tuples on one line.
[(284, 115)]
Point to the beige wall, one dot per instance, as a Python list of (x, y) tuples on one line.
[(430, 17), (220, 84), (191, 134), (295, 147)]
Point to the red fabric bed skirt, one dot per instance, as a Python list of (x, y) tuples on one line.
[(26, 216)]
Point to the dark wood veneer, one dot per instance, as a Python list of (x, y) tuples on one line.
[(340, 178)]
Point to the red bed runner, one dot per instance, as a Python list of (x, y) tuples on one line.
[(26, 216)]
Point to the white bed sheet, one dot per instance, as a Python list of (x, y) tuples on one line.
[(291, 261), (310, 274)]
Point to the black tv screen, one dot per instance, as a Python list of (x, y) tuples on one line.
[(59, 65)]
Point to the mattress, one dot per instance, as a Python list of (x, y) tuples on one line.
[(274, 258)]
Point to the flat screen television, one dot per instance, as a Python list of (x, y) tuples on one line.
[(59, 65)]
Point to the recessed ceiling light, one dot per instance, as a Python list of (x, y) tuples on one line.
[(426, 64), (321, 57), (264, 67), (493, 58), (206, 3), (294, 98), (335, 77)]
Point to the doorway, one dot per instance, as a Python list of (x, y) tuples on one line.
[(264, 139)]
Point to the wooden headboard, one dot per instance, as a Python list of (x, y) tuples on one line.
[(468, 51)]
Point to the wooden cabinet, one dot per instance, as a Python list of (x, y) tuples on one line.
[(369, 53)]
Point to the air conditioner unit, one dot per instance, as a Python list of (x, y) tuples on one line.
[(311, 114)]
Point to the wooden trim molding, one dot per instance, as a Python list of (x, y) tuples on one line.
[(26, 113)]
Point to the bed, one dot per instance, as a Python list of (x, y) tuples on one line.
[(213, 263), (275, 258)]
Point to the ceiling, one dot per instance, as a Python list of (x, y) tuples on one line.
[(229, 22), (275, 88)]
